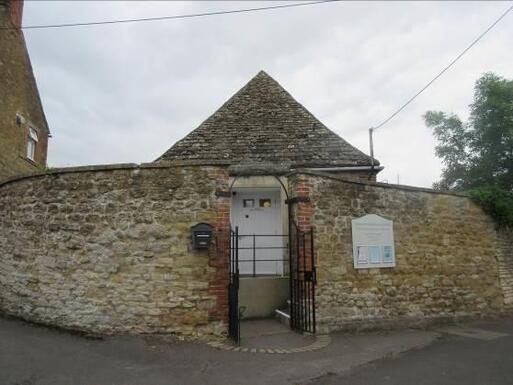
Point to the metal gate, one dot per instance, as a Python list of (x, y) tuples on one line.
[(302, 280), (233, 288)]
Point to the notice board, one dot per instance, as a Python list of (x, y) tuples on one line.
[(373, 242)]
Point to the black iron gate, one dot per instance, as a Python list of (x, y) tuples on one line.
[(233, 288), (302, 280)]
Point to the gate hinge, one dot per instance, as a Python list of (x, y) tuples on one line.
[(297, 200)]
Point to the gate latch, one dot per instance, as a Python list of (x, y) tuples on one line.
[(310, 276)]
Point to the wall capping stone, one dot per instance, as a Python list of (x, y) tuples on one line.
[(104, 167), (172, 164), (256, 169), (375, 184)]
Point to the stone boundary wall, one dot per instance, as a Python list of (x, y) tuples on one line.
[(446, 256), (505, 258), (108, 249)]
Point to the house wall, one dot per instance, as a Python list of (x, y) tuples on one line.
[(18, 95), (108, 249), (446, 250)]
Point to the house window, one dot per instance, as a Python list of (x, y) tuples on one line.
[(31, 143), (265, 203)]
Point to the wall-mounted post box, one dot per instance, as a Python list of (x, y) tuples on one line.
[(202, 234)]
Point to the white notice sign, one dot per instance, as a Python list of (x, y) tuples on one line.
[(373, 242)]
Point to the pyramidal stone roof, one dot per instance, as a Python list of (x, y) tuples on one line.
[(263, 124)]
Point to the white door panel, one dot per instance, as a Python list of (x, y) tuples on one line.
[(257, 213)]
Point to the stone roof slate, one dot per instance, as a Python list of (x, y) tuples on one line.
[(263, 123)]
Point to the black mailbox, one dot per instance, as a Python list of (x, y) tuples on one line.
[(202, 234)]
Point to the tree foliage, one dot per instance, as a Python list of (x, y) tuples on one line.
[(495, 201), (478, 154)]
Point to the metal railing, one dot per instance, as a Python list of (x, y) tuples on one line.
[(255, 247)]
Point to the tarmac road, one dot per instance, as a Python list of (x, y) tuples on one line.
[(36, 355), (475, 359)]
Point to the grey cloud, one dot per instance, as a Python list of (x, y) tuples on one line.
[(125, 93)]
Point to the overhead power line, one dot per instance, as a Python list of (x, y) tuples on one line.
[(474, 42), (174, 17)]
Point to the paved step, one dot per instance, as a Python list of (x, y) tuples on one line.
[(282, 316)]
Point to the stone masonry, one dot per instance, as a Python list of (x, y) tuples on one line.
[(505, 258), (108, 249), (446, 250)]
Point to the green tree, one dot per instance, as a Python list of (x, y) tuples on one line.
[(478, 155)]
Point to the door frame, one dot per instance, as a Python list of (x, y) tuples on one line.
[(306, 276), (258, 242)]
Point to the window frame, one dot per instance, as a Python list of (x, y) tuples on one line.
[(31, 145)]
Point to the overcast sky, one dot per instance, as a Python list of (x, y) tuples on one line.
[(126, 92)]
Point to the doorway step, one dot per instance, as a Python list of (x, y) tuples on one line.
[(283, 315), (271, 337)]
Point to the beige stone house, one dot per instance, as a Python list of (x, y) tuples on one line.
[(261, 211), (24, 131)]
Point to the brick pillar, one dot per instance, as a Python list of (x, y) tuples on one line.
[(220, 258), (304, 210)]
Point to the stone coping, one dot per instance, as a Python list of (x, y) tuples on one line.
[(107, 167), (259, 169), (242, 172), (376, 184)]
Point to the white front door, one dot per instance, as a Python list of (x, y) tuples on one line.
[(257, 214)]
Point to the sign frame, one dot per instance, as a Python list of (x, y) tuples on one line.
[(373, 242)]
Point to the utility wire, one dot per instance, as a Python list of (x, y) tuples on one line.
[(173, 17), (444, 70)]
